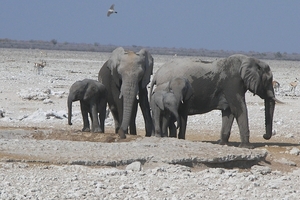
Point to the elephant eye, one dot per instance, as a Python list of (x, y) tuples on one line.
[(258, 67)]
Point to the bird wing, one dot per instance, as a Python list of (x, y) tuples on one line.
[(108, 13), (112, 7)]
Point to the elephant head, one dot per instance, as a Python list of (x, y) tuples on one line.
[(76, 93), (181, 88), (257, 78), (167, 101), (131, 73)]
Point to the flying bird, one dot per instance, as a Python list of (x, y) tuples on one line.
[(111, 10)]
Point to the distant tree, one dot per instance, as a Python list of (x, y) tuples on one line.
[(54, 42), (278, 55)]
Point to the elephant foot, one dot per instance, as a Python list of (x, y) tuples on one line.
[(222, 142), (86, 130), (121, 134), (157, 135), (98, 130), (246, 145), (267, 137)]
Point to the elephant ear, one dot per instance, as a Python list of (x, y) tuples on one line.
[(159, 100), (148, 67), (188, 91), (114, 62), (251, 74)]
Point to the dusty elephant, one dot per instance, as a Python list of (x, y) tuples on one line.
[(92, 96), (126, 75), (169, 102), (222, 85)]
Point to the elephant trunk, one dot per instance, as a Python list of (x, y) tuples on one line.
[(129, 92), (178, 122), (69, 110), (176, 115), (269, 112)]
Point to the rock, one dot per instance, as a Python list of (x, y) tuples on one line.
[(295, 151), (286, 162), (47, 101), (2, 113), (135, 166), (256, 169)]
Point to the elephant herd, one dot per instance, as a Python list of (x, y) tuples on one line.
[(179, 88)]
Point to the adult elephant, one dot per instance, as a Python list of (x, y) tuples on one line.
[(92, 96), (126, 75), (222, 85), (170, 100)]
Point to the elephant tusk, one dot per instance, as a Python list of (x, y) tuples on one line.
[(277, 101)]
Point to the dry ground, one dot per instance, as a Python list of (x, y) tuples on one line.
[(27, 97)]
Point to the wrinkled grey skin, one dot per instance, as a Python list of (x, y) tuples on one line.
[(126, 75), (169, 103), (92, 96), (222, 85)]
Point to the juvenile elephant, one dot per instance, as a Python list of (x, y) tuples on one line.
[(126, 75), (222, 85), (168, 101), (92, 96)]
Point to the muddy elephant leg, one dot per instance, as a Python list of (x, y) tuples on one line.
[(84, 112), (145, 107), (133, 117), (227, 120)]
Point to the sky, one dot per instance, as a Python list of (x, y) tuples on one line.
[(229, 25)]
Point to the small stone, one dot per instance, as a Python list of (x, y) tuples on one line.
[(295, 151)]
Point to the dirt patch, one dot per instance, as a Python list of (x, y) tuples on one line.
[(107, 137)]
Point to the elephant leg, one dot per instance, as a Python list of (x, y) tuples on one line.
[(227, 120), (182, 127), (145, 107), (156, 121), (94, 118), (171, 126), (238, 108), (165, 124), (183, 114), (115, 115), (242, 121), (133, 117), (172, 129), (102, 114), (84, 112)]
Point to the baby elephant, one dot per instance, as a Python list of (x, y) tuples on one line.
[(92, 97), (169, 103)]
